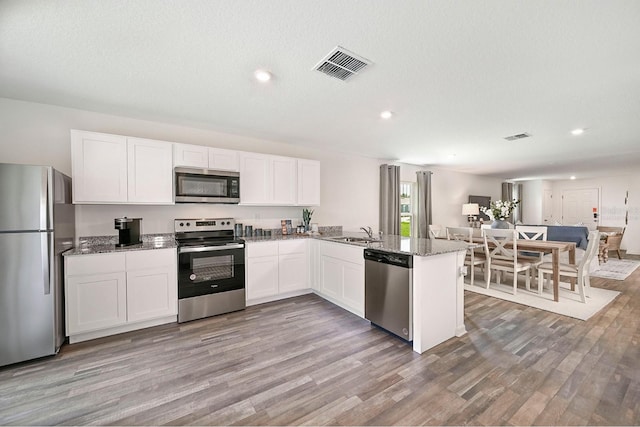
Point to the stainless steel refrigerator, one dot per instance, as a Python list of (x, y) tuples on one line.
[(37, 224)]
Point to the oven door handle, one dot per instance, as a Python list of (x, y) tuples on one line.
[(191, 249)]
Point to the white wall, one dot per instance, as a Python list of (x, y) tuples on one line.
[(39, 134)]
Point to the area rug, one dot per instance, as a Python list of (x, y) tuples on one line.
[(616, 269), (568, 305)]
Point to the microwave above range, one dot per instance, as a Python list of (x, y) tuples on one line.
[(206, 186)]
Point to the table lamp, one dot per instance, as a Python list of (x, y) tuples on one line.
[(471, 210)]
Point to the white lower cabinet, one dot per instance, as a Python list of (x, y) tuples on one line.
[(342, 275), (106, 294), (277, 269), (152, 287), (96, 301)]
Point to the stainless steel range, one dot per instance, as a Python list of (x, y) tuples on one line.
[(211, 277)]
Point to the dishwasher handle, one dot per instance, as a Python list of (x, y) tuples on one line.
[(391, 258)]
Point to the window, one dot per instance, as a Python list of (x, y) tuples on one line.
[(406, 209)]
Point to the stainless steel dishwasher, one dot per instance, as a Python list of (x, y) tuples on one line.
[(388, 294)]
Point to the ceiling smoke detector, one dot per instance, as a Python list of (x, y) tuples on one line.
[(342, 64), (518, 136)]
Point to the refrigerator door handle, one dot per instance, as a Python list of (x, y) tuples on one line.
[(46, 264), (44, 192)]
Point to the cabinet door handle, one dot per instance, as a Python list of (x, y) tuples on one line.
[(191, 249)]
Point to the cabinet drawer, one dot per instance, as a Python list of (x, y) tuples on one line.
[(349, 253), (95, 264), (154, 258), (292, 247), (261, 249)]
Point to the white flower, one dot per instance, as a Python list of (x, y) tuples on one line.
[(500, 209)]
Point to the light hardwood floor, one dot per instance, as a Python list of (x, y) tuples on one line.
[(306, 361)]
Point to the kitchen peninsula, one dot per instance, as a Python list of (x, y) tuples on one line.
[(437, 286)]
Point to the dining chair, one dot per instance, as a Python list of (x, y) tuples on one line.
[(501, 247), (532, 232), (434, 231), (579, 271), (472, 259)]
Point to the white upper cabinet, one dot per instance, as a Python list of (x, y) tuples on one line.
[(267, 180), (99, 167), (192, 156), (150, 175), (283, 180), (128, 170), (255, 172), (224, 160), (308, 182), (118, 169), (197, 156)]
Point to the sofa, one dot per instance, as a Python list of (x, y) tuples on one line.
[(569, 233)]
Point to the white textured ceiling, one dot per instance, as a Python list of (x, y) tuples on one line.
[(459, 75)]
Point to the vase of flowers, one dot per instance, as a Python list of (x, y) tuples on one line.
[(499, 211)]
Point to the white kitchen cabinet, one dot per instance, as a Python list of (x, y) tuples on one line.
[(224, 160), (267, 180), (99, 301), (152, 289), (193, 156), (198, 156), (118, 169), (106, 294), (255, 186), (99, 167), (261, 270), (95, 292), (276, 270), (262, 277), (283, 181), (308, 182), (150, 172), (342, 275), (293, 262)]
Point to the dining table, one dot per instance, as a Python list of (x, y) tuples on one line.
[(548, 246)]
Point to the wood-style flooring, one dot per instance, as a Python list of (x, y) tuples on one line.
[(306, 361)]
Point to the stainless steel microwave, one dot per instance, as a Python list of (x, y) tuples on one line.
[(206, 186)]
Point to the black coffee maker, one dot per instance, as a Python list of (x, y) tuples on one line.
[(128, 231)]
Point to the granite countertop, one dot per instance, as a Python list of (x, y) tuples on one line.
[(388, 243), (107, 244), (406, 245)]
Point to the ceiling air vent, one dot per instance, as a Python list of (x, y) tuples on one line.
[(518, 136), (342, 64)]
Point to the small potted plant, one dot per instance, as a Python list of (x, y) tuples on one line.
[(306, 218)]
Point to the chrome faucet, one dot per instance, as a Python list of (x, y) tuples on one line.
[(368, 230)]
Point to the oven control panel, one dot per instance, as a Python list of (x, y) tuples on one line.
[(203, 224)]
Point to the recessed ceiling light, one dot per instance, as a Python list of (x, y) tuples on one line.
[(262, 75), (577, 131), (386, 114), (573, 177)]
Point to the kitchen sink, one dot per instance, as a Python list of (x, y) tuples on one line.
[(355, 239)]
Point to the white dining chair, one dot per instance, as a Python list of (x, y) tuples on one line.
[(502, 249), (434, 231), (472, 259), (579, 271), (532, 232)]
